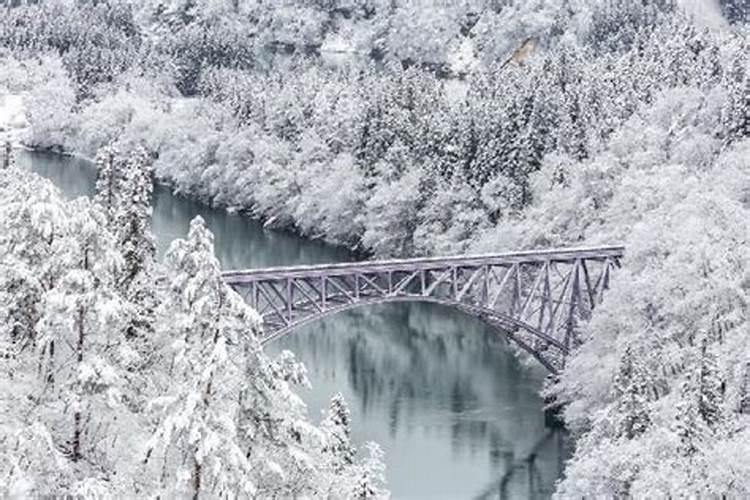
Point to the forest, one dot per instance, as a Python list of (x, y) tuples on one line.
[(393, 128)]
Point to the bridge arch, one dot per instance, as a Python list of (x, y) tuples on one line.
[(536, 299), (504, 325)]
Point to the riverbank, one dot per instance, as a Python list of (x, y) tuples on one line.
[(307, 187)]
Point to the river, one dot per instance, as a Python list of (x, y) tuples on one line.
[(456, 413)]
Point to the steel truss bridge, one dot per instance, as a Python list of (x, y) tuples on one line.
[(536, 299)]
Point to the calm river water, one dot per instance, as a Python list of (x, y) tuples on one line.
[(455, 412)]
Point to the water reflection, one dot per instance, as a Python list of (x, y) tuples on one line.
[(530, 474), (453, 409), (456, 414)]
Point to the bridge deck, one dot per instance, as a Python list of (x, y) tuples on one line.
[(424, 263)]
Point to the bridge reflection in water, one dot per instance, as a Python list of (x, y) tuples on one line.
[(454, 410)]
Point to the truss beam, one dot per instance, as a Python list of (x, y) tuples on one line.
[(537, 299)]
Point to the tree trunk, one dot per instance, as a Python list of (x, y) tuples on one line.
[(196, 480), (77, 414), (79, 359)]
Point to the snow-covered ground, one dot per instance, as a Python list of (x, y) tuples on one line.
[(13, 122)]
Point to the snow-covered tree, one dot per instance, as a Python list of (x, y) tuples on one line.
[(337, 426), (700, 411), (228, 420), (352, 479), (134, 215), (108, 182), (7, 155), (30, 461), (632, 393), (80, 325), (33, 224), (196, 447), (124, 189)]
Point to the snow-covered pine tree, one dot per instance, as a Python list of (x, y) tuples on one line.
[(712, 385), (137, 242), (699, 413), (108, 182), (632, 390), (8, 158), (572, 134), (20, 295), (196, 449), (736, 11), (33, 223), (285, 450), (80, 329), (124, 189), (370, 476), (32, 220), (337, 427), (350, 479), (134, 215), (745, 397), (735, 115)]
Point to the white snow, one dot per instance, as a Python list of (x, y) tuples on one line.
[(705, 13), (463, 56), (13, 120), (336, 43)]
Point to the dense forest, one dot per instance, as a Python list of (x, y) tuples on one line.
[(124, 377), (394, 128)]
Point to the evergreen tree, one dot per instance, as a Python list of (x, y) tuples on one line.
[(699, 414), (370, 477), (20, 296), (124, 189), (7, 155), (736, 11), (196, 450), (134, 216), (735, 116), (108, 191), (337, 426), (632, 390), (33, 225), (80, 325), (285, 452)]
